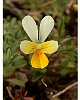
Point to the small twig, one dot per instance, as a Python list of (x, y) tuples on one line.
[(25, 93), (44, 83), (64, 90), (17, 1), (9, 93), (13, 9)]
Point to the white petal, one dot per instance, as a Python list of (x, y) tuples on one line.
[(46, 27), (30, 27)]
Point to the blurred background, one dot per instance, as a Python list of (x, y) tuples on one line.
[(21, 81)]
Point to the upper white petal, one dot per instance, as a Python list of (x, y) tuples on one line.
[(30, 27), (46, 27)]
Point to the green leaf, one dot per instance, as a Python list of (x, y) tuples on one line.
[(57, 5), (66, 40), (68, 51), (19, 63), (64, 71), (61, 27), (16, 57), (7, 71), (7, 56), (16, 82), (38, 74), (9, 51)]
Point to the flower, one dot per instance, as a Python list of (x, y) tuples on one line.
[(38, 46)]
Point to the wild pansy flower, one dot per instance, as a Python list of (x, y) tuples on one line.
[(38, 46)]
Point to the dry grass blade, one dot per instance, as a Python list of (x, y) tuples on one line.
[(9, 92), (64, 90)]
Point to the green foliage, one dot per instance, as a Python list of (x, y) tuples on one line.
[(19, 62), (13, 34), (69, 51), (61, 28), (65, 70), (16, 82), (7, 55), (7, 71), (58, 4), (14, 63), (38, 74), (67, 39)]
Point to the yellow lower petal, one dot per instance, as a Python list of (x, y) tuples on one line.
[(27, 47), (49, 47), (39, 60)]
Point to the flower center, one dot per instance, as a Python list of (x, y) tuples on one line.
[(38, 47), (38, 50)]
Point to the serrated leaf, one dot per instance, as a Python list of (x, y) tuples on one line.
[(16, 82), (38, 74)]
